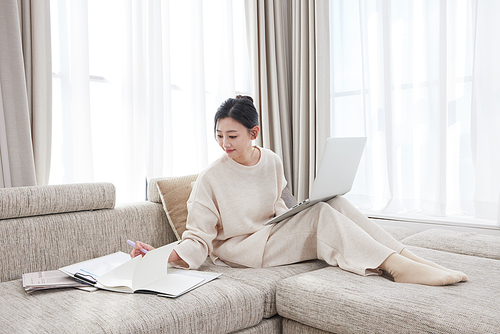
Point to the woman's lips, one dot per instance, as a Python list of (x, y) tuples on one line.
[(229, 151)]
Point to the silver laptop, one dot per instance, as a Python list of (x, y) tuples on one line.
[(336, 173)]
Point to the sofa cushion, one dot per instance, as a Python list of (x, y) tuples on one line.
[(264, 279), (294, 327), (44, 200), (457, 242), (398, 232), (174, 194), (337, 301), (266, 326), (221, 306)]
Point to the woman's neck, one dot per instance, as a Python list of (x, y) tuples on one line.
[(251, 158)]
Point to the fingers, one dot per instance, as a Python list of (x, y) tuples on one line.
[(141, 245), (135, 252), (141, 248)]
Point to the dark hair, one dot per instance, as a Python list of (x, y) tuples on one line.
[(240, 109)]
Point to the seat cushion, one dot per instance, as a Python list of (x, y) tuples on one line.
[(221, 306), (264, 279), (337, 301), (398, 232)]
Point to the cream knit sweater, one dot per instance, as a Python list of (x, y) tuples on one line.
[(227, 208)]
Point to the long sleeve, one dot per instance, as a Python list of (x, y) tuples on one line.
[(201, 229), (227, 208)]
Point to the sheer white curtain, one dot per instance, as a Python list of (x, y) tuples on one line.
[(421, 80), (136, 85)]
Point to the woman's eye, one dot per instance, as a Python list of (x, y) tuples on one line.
[(232, 137)]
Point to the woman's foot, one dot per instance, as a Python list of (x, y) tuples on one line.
[(404, 270), (406, 253)]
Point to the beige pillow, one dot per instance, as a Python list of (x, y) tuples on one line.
[(174, 194)]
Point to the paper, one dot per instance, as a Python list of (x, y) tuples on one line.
[(204, 276), (152, 273), (148, 274), (98, 266), (53, 279)]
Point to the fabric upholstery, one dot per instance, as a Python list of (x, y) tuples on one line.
[(264, 279), (153, 194), (399, 233), (222, 306), (287, 196), (340, 302), (174, 194), (52, 241), (266, 326), (44, 200), (457, 242), (294, 327)]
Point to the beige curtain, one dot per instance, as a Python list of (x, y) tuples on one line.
[(25, 92), (290, 66)]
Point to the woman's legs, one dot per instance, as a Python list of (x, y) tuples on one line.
[(351, 241), (322, 232), (379, 234), (343, 206)]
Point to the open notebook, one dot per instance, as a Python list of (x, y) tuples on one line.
[(145, 274)]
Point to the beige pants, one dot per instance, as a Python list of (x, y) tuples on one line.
[(334, 231)]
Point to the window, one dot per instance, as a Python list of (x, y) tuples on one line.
[(136, 85), (415, 78)]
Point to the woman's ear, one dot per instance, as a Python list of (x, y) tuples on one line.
[(255, 132)]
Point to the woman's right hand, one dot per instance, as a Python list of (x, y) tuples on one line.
[(139, 246)]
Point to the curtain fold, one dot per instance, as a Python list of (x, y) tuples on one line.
[(268, 41), (36, 41), (25, 88), (289, 59)]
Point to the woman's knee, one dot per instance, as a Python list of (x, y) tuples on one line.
[(341, 204)]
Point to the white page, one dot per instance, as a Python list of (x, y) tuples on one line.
[(120, 276), (97, 266), (137, 272), (153, 266), (173, 284), (202, 276)]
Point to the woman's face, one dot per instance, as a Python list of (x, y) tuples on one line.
[(234, 138)]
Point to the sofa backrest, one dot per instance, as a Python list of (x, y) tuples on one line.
[(46, 228), (43, 200)]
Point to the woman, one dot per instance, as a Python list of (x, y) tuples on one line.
[(240, 191)]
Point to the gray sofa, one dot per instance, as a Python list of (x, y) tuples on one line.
[(45, 228)]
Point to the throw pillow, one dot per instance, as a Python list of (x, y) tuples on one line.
[(174, 194)]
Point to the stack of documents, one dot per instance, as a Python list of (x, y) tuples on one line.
[(54, 279)]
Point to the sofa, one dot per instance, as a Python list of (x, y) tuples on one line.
[(48, 227)]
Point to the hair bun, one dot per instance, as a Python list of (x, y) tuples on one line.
[(244, 97)]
